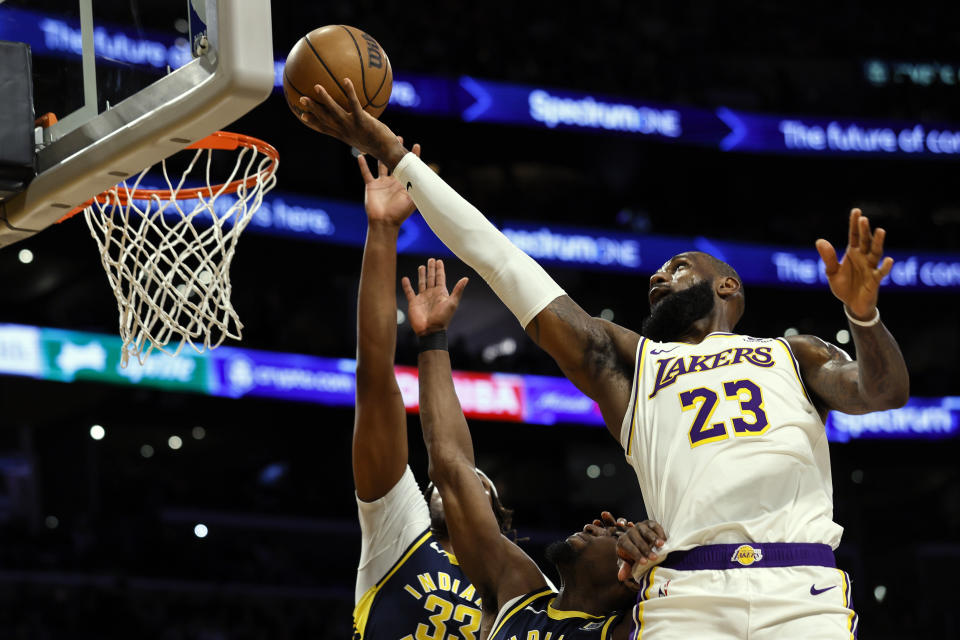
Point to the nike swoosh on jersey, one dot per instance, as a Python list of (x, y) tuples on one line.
[(655, 352), (815, 592)]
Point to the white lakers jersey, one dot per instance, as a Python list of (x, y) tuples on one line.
[(727, 445)]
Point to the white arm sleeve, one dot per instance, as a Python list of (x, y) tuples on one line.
[(515, 277), (388, 526)]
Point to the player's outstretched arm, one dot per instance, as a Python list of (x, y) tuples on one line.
[(597, 356), (380, 431), (496, 566), (878, 379)]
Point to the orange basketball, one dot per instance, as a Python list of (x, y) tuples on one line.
[(329, 54)]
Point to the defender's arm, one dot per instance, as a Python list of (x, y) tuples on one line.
[(380, 423), (496, 566)]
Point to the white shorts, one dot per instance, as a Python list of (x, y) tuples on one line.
[(749, 600)]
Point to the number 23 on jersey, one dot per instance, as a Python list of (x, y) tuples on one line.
[(752, 420)]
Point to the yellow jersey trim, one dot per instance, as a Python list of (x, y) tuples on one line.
[(519, 607), (796, 369), (362, 611), (636, 385), (604, 633), (646, 596), (556, 614), (845, 586)]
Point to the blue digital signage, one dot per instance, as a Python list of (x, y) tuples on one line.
[(476, 100), (344, 223), (233, 372)]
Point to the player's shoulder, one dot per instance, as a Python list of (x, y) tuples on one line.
[(743, 337), (624, 340), (713, 339), (810, 350)]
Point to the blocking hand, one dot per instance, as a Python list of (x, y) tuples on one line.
[(355, 126)]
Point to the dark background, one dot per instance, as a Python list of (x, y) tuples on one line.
[(280, 558)]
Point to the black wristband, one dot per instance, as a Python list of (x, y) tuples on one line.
[(435, 340)]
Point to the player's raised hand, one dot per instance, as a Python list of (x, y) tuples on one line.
[(354, 126), (639, 543), (855, 279), (385, 199), (431, 307)]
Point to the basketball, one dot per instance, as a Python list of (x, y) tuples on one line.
[(329, 54)]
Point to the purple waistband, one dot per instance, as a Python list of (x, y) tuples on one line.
[(754, 554)]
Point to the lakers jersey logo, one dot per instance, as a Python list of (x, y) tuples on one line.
[(745, 555), (669, 369)]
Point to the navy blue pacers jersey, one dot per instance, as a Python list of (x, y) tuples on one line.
[(532, 617), (423, 596)]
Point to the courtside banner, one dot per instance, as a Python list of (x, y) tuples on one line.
[(68, 356)]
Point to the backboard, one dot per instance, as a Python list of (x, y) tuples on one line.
[(131, 82)]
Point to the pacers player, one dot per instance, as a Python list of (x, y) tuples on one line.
[(724, 431), (405, 548), (517, 599)]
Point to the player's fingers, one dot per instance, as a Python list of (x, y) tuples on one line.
[(854, 239), (885, 268), (661, 534), (314, 123), (421, 278), (458, 289), (431, 273), (876, 247), (441, 275), (608, 519), (643, 538), (628, 550), (865, 235), (355, 107), (322, 103), (829, 256), (649, 537), (416, 149), (407, 289), (624, 571), (364, 169)]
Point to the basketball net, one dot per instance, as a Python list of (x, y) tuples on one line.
[(167, 252)]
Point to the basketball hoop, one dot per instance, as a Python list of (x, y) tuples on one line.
[(167, 252)]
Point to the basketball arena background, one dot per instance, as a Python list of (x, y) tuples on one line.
[(211, 497)]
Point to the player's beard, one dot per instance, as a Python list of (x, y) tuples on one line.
[(560, 552), (671, 317)]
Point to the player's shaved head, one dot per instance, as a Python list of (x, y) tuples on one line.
[(719, 268)]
